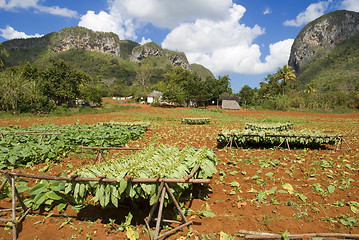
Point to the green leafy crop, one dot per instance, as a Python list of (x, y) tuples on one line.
[(160, 161), (20, 149)]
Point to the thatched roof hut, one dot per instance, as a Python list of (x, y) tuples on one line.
[(230, 104), (153, 95)]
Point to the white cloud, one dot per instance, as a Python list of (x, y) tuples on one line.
[(170, 13), (144, 40), (203, 35), (278, 54), (227, 46), (312, 12), (56, 10), (267, 11), (126, 16), (10, 33), (11, 5), (352, 5), (103, 22), (208, 31)]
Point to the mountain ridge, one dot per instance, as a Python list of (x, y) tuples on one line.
[(321, 36), (80, 38)]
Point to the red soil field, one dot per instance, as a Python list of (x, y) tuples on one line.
[(239, 194)]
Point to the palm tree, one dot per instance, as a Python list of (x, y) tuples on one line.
[(285, 74), (2, 52)]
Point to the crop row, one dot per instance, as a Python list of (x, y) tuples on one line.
[(22, 146), (145, 125), (268, 126), (301, 138), (152, 162), (196, 120)]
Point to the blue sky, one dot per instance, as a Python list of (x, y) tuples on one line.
[(245, 39)]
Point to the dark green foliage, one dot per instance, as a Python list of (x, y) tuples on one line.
[(246, 95), (92, 93), (61, 83), (181, 86), (20, 150)]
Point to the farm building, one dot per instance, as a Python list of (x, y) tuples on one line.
[(151, 97), (230, 102)]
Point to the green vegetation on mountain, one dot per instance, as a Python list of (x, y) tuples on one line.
[(337, 70), (92, 65), (325, 56), (2, 52), (100, 55), (321, 36), (202, 72)]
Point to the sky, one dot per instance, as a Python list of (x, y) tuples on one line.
[(244, 39)]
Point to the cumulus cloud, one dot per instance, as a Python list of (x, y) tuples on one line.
[(11, 5), (227, 46), (352, 5), (10, 33), (103, 22), (208, 31), (312, 12), (126, 16), (278, 54), (170, 13)]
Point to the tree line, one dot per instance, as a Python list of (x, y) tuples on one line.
[(282, 90), (30, 88)]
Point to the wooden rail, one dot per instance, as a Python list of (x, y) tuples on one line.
[(111, 148), (74, 177), (164, 188)]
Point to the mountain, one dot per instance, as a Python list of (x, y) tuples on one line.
[(99, 54), (325, 56), (321, 36)]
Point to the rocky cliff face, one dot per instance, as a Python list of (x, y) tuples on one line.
[(71, 38), (321, 36), (85, 39), (109, 43), (153, 49)]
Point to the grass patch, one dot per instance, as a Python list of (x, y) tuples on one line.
[(64, 111)]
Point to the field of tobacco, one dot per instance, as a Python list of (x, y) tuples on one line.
[(257, 188)]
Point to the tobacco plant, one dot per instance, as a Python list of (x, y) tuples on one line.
[(153, 162)]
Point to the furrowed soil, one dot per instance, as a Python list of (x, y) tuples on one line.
[(273, 190)]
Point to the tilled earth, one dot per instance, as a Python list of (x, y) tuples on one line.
[(270, 190)]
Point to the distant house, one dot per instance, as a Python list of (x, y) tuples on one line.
[(151, 97), (230, 102)]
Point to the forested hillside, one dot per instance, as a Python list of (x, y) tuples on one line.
[(323, 68), (99, 65)]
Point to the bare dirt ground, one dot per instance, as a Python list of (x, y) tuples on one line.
[(239, 195)]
